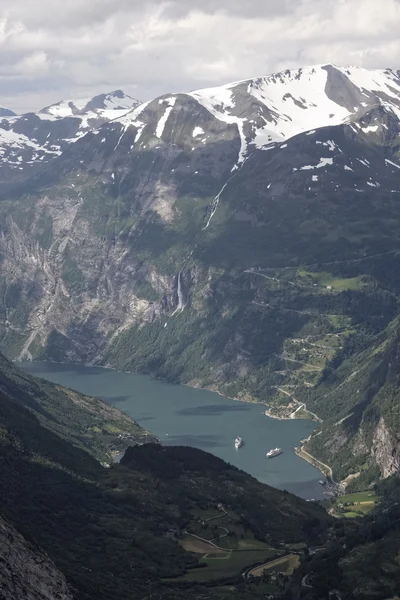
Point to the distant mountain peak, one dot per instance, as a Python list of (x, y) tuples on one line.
[(6, 112), (116, 100)]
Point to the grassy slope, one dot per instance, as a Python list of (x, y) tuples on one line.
[(84, 421)]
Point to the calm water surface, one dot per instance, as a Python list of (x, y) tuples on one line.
[(186, 416)]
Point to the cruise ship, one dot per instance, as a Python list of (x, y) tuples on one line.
[(238, 442), (274, 452)]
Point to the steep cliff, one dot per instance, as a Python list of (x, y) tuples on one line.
[(26, 572)]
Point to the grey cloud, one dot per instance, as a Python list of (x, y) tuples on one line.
[(249, 8)]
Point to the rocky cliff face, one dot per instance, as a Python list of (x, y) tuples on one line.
[(235, 237), (26, 572), (385, 449), (359, 403)]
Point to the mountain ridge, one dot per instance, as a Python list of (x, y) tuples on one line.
[(29, 139)]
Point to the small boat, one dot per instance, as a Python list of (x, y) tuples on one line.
[(321, 482), (238, 442), (274, 452)]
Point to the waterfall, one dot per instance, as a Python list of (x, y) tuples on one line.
[(181, 299)]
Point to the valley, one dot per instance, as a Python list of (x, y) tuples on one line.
[(167, 521), (180, 415)]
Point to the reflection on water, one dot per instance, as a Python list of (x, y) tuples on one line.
[(212, 409), (188, 416), (198, 441)]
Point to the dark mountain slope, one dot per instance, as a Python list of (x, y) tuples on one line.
[(112, 531), (361, 558), (25, 571), (359, 402)]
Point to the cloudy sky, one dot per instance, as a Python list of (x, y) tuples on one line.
[(55, 49)]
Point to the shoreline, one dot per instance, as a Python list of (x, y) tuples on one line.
[(299, 451), (267, 412), (322, 467)]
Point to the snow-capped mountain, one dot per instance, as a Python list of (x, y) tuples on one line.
[(277, 107), (106, 106), (29, 139)]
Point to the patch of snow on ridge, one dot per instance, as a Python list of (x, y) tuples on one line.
[(130, 117), (389, 162), (375, 80), (265, 136), (370, 128), (310, 108), (243, 145), (197, 131), (18, 140), (331, 145), (65, 108), (363, 162), (322, 163), (216, 100), (140, 125), (163, 121)]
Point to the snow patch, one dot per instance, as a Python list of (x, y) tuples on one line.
[(370, 128), (389, 162), (163, 121), (331, 145), (322, 163), (197, 131), (363, 162)]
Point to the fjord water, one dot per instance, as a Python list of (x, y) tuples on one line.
[(187, 416)]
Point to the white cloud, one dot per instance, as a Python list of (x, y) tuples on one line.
[(51, 49)]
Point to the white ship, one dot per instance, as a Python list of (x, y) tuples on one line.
[(238, 442), (274, 452)]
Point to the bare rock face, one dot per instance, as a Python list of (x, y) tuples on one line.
[(26, 573), (385, 449), (360, 445)]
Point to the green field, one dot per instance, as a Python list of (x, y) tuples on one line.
[(324, 279), (226, 564), (367, 496), (355, 505)]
